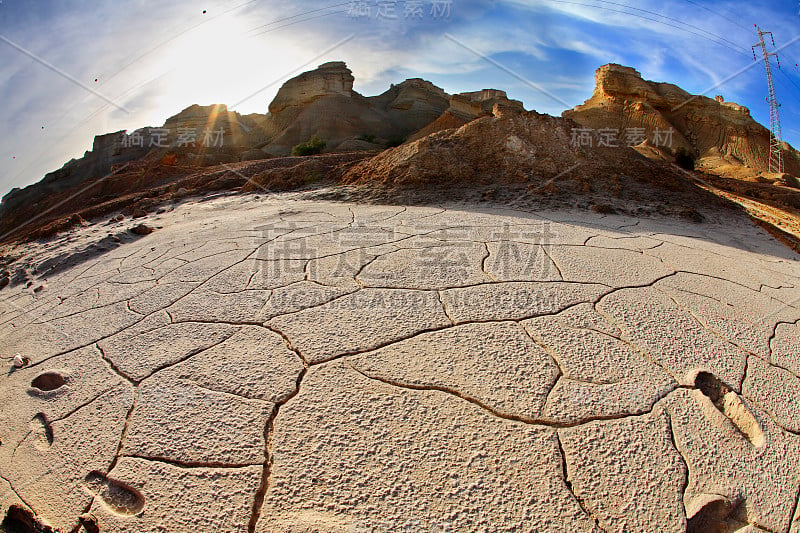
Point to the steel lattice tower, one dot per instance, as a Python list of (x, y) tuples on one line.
[(775, 156)]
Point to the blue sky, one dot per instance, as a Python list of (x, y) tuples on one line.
[(152, 58)]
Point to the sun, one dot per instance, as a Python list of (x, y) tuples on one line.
[(206, 64)]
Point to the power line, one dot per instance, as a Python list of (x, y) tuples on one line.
[(791, 60), (298, 22), (669, 18), (716, 12), (790, 80), (683, 26), (298, 15)]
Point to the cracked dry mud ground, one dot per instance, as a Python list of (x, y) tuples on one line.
[(283, 365)]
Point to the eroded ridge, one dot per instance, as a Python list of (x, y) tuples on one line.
[(277, 364)]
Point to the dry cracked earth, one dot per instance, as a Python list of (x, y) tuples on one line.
[(277, 365)]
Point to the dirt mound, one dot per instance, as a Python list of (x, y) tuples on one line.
[(535, 151)]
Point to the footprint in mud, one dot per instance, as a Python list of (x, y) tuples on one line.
[(42, 432), (119, 497), (730, 404), (48, 381), (715, 514)]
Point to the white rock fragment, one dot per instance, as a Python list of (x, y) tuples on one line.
[(19, 361)]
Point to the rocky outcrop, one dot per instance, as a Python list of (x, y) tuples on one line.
[(323, 103), (328, 80), (722, 135), (200, 135), (107, 151), (468, 106), (214, 126), (472, 105), (447, 121), (474, 137), (411, 105)]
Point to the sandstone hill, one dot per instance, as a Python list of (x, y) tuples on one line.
[(473, 139), (323, 103), (514, 146), (319, 103), (721, 135)]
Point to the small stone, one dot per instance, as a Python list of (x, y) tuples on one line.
[(40, 288), (77, 220), (604, 209), (119, 218), (142, 229), (19, 361), (89, 523)]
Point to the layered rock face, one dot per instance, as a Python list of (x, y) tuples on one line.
[(412, 104), (721, 134), (468, 106), (201, 135), (226, 128), (323, 103), (107, 150), (330, 79), (472, 105), (477, 137)]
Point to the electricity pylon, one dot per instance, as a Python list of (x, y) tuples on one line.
[(775, 156)]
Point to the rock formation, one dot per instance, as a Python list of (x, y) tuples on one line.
[(474, 137), (207, 125), (465, 107), (241, 363), (323, 103), (479, 103), (201, 135), (328, 80), (107, 151), (722, 135)]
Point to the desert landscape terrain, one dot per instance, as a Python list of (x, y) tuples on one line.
[(453, 318)]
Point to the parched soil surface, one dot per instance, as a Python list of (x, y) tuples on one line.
[(271, 363)]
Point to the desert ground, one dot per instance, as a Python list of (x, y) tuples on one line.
[(283, 365)]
